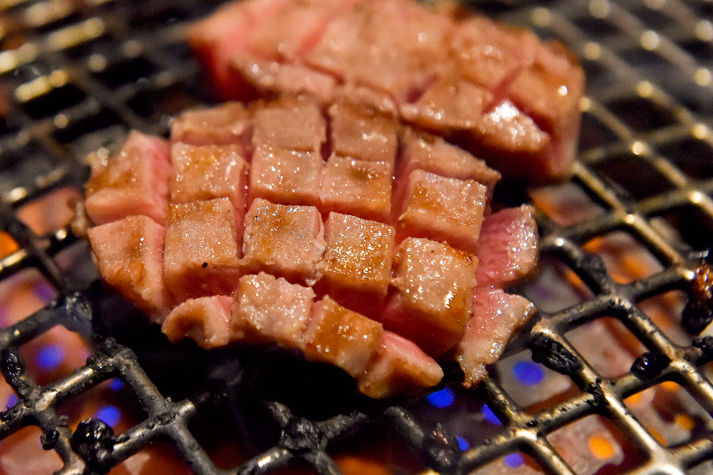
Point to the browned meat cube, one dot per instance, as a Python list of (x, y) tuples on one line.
[(368, 98), (495, 316), (284, 240), (207, 172), (449, 105), (133, 182), (358, 256), (290, 123), (400, 369), (434, 297), (270, 77), (430, 153), (286, 176), (549, 91), (222, 125), (357, 187), (361, 132), (523, 149), (271, 310), (443, 209), (205, 320), (129, 254), (508, 247), (341, 337), (491, 54), (201, 249)]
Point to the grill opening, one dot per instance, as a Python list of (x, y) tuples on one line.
[(625, 263)]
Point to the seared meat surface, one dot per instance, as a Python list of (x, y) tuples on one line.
[(282, 228), (499, 92)]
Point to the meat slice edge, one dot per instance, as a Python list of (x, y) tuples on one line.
[(496, 315)]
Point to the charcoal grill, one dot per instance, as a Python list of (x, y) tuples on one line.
[(75, 76)]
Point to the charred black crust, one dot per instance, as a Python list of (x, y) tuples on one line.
[(442, 449), (649, 365), (554, 355), (94, 442), (49, 439), (698, 313)]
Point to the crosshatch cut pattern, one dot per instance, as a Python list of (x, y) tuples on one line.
[(76, 76)]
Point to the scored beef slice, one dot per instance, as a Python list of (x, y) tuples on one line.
[(445, 68), (201, 251), (366, 269)]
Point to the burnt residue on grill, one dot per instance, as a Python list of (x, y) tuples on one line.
[(554, 355), (649, 365), (698, 313), (73, 82)]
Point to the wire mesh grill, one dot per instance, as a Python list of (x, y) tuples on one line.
[(75, 76)]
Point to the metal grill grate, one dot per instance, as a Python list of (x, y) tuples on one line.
[(75, 76)]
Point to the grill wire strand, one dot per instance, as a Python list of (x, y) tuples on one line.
[(76, 76)]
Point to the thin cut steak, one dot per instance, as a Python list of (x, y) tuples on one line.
[(445, 69), (329, 229)]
